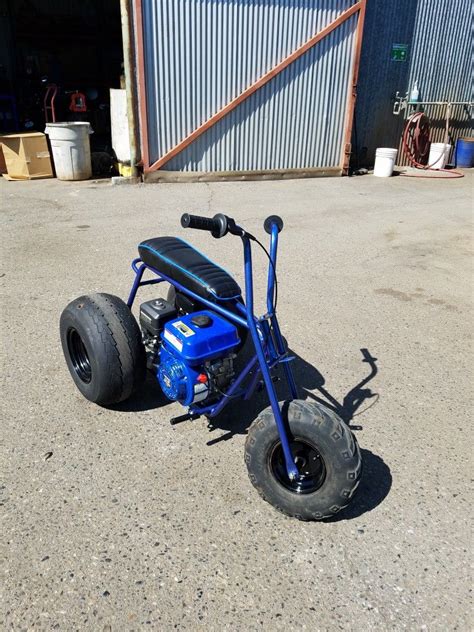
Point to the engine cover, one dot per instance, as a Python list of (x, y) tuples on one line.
[(179, 381), (199, 336), (191, 347), (154, 314)]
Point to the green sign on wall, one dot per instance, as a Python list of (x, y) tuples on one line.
[(399, 52)]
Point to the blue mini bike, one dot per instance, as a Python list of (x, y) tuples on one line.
[(301, 457)]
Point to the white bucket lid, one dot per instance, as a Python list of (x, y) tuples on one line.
[(71, 124), (77, 126), (386, 152)]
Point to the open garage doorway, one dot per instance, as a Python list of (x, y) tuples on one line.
[(58, 61)]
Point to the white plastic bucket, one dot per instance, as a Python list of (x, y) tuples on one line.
[(384, 161), (439, 154), (71, 149)]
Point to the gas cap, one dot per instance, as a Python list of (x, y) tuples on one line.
[(201, 321)]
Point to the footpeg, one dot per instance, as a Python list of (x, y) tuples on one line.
[(186, 417), (261, 384)]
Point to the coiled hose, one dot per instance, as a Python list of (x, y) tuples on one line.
[(416, 145)]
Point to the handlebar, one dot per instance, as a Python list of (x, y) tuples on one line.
[(220, 224), (217, 225)]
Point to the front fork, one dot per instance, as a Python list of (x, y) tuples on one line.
[(291, 468)]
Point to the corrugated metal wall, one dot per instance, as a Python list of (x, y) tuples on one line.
[(386, 23), (200, 54), (438, 35), (441, 62)]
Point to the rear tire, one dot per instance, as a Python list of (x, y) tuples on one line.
[(325, 451), (103, 348)]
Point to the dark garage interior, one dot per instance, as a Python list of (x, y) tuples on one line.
[(58, 60)]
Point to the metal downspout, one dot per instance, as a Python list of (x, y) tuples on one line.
[(130, 85)]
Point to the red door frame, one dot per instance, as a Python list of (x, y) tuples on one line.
[(357, 8)]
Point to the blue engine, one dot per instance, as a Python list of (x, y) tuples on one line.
[(196, 359)]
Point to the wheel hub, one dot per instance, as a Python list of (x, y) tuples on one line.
[(79, 357), (308, 460)]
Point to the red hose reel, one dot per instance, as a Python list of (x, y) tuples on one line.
[(416, 145), (416, 140)]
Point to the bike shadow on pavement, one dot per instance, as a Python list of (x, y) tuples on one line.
[(236, 418), (376, 479), (149, 396)]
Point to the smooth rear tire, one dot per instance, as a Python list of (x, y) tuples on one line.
[(103, 349), (325, 452)]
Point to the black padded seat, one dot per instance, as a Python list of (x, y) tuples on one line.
[(178, 260)]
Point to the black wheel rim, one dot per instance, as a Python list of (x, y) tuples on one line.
[(308, 460), (79, 358)]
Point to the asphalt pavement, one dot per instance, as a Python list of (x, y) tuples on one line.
[(115, 520)]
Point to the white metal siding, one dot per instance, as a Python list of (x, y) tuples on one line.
[(200, 54), (441, 63), (439, 38)]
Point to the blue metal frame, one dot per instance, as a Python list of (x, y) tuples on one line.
[(270, 348)]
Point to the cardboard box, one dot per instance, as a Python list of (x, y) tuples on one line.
[(26, 156)]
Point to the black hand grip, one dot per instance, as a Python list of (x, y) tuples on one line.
[(216, 225), (197, 221)]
